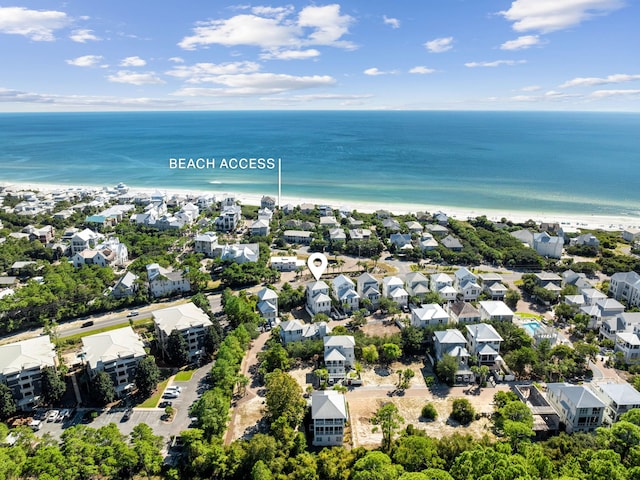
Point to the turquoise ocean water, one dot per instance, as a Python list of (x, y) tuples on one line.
[(581, 163)]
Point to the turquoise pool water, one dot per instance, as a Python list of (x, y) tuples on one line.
[(532, 327)]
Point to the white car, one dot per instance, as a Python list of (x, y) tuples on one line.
[(171, 394), (52, 415), (173, 388)]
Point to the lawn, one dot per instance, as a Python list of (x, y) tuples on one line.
[(73, 340), (184, 375), (152, 401), (528, 315)]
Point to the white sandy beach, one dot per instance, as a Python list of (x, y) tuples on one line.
[(603, 222)]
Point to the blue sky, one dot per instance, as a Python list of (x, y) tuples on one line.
[(358, 54)]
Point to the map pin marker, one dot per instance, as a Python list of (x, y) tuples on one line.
[(317, 269)]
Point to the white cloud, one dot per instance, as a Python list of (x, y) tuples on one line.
[(375, 71), (274, 29), (592, 81), (85, 61), (37, 25), (83, 36), (394, 22), (521, 43), (208, 72), (135, 78), (421, 70), (79, 101), (439, 45), (176, 60), (133, 62), (290, 54), (531, 88), (495, 63), (258, 84), (552, 15), (614, 93)]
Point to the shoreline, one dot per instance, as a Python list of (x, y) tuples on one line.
[(581, 221)]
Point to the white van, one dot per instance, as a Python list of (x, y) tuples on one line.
[(35, 425)]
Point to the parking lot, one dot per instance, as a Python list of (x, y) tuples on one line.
[(154, 417)]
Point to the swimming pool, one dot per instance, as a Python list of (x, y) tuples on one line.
[(532, 327)]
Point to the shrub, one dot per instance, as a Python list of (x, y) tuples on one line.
[(429, 412), (462, 411)]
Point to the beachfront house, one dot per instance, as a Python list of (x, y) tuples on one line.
[(329, 416), (548, 246), (578, 407), (189, 321), (117, 353), (631, 234), (259, 228), (451, 243), (368, 287), (429, 315), (268, 202), (318, 299), (21, 365)]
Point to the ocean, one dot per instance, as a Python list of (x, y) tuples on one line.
[(578, 163)]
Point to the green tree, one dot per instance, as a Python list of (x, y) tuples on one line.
[(53, 386), (370, 354), (462, 411), (103, 388), (147, 376), (212, 410), (511, 298), (147, 447), (390, 352), (177, 349), (446, 369), (416, 453), (412, 338), (284, 398), (260, 471), (7, 403), (389, 420), (429, 412), (376, 465), (275, 357)]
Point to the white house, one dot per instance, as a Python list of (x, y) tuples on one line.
[(431, 314), (360, 234), (495, 311), (296, 331), (108, 253), (393, 288), (548, 246), (619, 398), (344, 291), (466, 283), (625, 286), (86, 239), (329, 415), (463, 312), (631, 234), (439, 281), (318, 299), (629, 344), (339, 356), (21, 365), (163, 282), (126, 286), (401, 241), (259, 228), (268, 202), (492, 285), (206, 243), (189, 321), (578, 407), (268, 305), (116, 352), (484, 342), (300, 237), (229, 218), (417, 285), (285, 264), (368, 287), (240, 252), (452, 342)]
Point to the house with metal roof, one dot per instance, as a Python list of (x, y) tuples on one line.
[(329, 416), (578, 407)]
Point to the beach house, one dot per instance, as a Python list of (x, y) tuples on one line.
[(329, 416), (484, 342), (117, 353), (344, 291), (619, 398), (393, 288), (189, 321), (578, 407), (206, 243), (296, 331), (548, 246), (625, 286), (268, 305), (429, 315), (164, 282), (318, 299), (21, 365), (451, 342), (416, 284), (368, 287), (339, 356)]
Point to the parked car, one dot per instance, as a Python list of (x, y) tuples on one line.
[(87, 324), (133, 313), (35, 425), (171, 394), (127, 414), (173, 388), (52, 415), (165, 404)]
